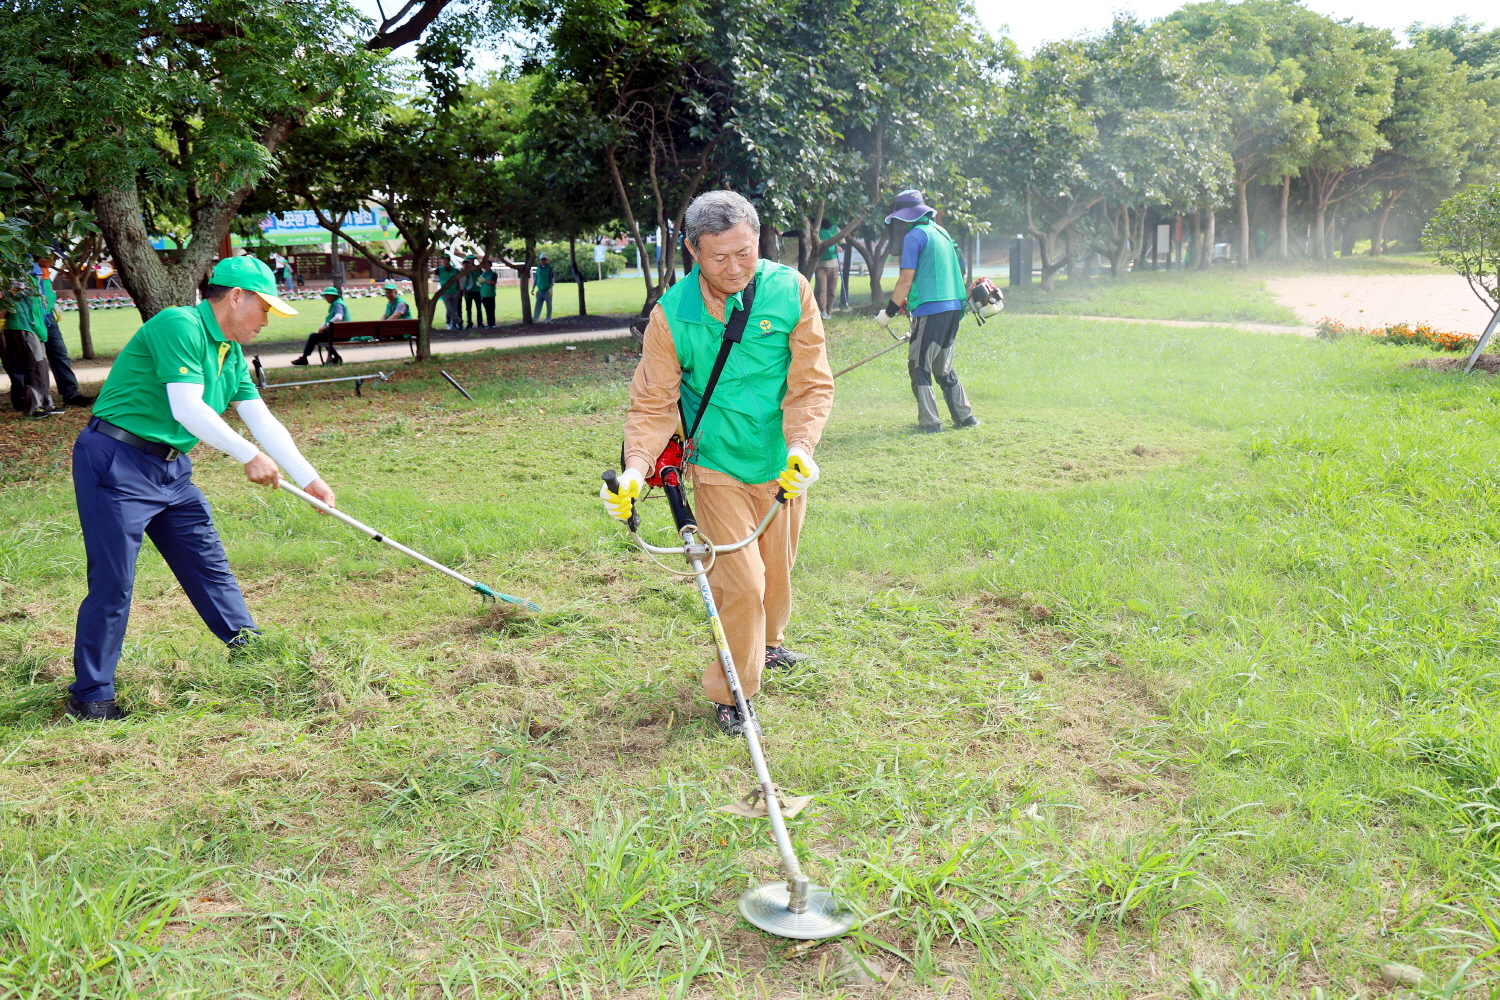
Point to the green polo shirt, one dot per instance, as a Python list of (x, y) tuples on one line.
[(487, 281), (28, 314), (181, 344), (48, 293)]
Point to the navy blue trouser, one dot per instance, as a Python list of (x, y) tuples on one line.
[(57, 360), (122, 494)]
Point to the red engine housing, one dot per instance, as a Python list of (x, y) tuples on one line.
[(671, 458)]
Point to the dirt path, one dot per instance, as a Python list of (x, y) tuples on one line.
[(1444, 300)]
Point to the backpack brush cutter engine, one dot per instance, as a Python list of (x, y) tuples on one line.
[(794, 908)]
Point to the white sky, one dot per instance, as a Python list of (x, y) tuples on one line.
[(1031, 24)]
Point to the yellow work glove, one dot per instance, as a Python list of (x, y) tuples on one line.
[(800, 472), (622, 504)]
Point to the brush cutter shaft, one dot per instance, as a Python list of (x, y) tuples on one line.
[(358, 526), (796, 881), (877, 354)]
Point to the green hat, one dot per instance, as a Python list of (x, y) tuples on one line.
[(389, 286), (330, 290), (251, 274)]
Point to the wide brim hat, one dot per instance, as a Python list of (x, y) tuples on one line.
[(251, 274), (330, 290), (909, 207)]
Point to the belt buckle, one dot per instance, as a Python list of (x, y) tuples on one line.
[(172, 455)]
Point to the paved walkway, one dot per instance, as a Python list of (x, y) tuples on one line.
[(400, 352), (1301, 331)]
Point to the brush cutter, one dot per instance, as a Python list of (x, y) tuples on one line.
[(479, 588), (794, 908)]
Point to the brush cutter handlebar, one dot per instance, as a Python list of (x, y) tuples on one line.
[(683, 515)]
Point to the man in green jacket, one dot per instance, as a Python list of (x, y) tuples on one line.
[(448, 278), (764, 419), (338, 312), (395, 305), (544, 281), (26, 351), (57, 348), (931, 290)]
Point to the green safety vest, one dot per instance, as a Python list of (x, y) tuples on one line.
[(940, 276), (741, 434)]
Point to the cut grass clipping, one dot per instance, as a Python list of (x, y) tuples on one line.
[(1174, 678)]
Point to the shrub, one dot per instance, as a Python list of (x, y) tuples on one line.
[(1399, 333)]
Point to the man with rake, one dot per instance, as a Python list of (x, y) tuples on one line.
[(759, 427)]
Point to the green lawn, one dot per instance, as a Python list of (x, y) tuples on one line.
[(112, 327), (1175, 679)]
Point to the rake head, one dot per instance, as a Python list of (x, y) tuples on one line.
[(495, 595)]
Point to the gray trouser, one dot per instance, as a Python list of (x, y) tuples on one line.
[(929, 358), (26, 356)]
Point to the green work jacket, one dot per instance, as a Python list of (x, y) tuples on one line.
[(741, 435)]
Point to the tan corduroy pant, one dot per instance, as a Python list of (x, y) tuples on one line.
[(752, 587)]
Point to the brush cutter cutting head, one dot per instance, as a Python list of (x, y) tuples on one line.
[(768, 907), (495, 595)]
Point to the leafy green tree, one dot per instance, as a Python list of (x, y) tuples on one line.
[(1472, 45), (1436, 128), (1464, 235), (159, 115)]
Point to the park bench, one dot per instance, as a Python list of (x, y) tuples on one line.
[(371, 331)]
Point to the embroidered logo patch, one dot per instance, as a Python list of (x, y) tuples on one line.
[(765, 326), (182, 371)]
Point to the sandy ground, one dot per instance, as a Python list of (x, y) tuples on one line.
[(1444, 300)]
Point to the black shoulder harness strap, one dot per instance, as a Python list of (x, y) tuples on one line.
[(734, 332)]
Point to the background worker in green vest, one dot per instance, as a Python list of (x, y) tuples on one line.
[(395, 305), (57, 348), (448, 290), (931, 289), (468, 282), (132, 478), (488, 279), (763, 421), (827, 274), (26, 351), (338, 312), (543, 279)]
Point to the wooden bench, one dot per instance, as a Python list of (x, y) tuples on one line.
[(371, 331)]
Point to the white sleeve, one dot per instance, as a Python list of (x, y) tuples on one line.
[(276, 440), (189, 410)]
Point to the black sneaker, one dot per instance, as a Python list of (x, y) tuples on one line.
[(335, 360), (80, 400), (924, 429), (94, 711), (731, 722), (300, 362), (971, 422), (779, 658)]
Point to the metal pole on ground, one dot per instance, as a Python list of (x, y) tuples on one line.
[(1489, 332)]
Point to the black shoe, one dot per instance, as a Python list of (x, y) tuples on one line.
[(971, 422), (242, 645), (95, 711), (334, 360), (779, 658), (300, 362), (924, 429), (80, 400), (731, 722), (41, 414)]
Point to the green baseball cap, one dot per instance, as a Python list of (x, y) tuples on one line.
[(251, 274), (330, 290), (390, 286)]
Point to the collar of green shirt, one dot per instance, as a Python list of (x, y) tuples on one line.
[(694, 308), (211, 322)]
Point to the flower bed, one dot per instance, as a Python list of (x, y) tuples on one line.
[(1399, 333)]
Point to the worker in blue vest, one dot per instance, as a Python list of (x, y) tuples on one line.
[(931, 290), (133, 479)]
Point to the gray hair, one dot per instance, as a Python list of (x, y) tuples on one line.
[(717, 212)]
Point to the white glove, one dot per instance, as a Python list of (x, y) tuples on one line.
[(800, 472), (622, 504)]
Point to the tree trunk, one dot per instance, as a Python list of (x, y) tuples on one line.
[(1244, 205), (583, 306), (426, 302), (1210, 235), (652, 291), (1072, 269), (1377, 235), (1320, 230), (524, 273), (1348, 232), (1283, 251), (85, 321)]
